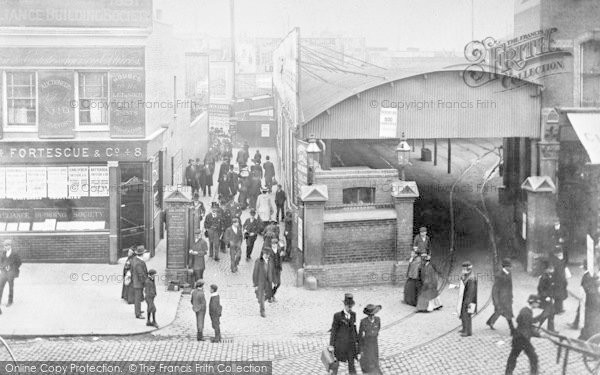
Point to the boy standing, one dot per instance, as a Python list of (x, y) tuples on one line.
[(214, 311), (199, 308), (150, 293)]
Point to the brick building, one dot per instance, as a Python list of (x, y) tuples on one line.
[(93, 114), (570, 109)]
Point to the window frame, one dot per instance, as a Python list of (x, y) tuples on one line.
[(356, 193), (27, 128), (584, 75), (577, 45), (91, 126)]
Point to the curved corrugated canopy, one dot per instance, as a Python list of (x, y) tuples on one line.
[(322, 88)]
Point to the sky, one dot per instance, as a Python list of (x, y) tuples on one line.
[(423, 24)]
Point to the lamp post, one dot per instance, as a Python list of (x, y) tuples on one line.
[(312, 151), (403, 153)]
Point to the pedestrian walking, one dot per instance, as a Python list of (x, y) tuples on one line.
[(214, 311), (233, 239), (590, 284), (223, 188), (467, 299), (243, 188), (368, 333), (199, 307), (275, 267), (422, 241), (413, 278), (196, 260), (428, 299), (288, 223), (254, 188), (150, 294), (502, 295), (189, 173), (343, 340), (280, 199), (560, 277), (10, 264), (269, 169), (127, 292), (260, 280), (257, 170), (196, 172), (264, 206), (521, 337), (243, 156), (257, 157), (208, 179), (251, 229), (546, 289), (201, 176), (139, 274), (213, 225), (232, 183)]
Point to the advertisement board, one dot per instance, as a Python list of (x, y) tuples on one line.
[(221, 81), (56, 97), (127, 110), (285, 75)]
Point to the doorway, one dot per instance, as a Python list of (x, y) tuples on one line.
[(132, 226)]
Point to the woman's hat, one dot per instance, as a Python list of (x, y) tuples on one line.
[(152, 272), (199, 283), (140, 250), (348, 299), (371, 309)]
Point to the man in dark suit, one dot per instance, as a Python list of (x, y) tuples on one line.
[(242, 156), (468, 305), (214, 311), (269, 169), (251, 230), (214, 226), (288, 224), (199, 308), (546, 289), (189, 173), (560, 280), (343, 340), (502, 295), (233, 239), (521, 340), (196, 258), (260, 280), (139, 274), (280, 199), (422, 242), (10, 262)]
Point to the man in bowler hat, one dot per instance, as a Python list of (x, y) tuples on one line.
[(139, 274), (467, 298), (10, 262), (343, 340), (502, 295)]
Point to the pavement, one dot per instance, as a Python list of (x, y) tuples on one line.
[(292, 335)]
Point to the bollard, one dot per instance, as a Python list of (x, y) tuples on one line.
[(311, 283), (300, 277)]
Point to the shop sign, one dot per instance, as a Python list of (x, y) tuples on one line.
[(127, 118), (76, 13), (121, 57), (388, 122), (52, 151), (56, 95)]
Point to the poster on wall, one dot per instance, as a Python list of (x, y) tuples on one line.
[(36, 183), (301, 167), (78, 182), (221, 81), (127, 115), (388, 122), (58, 182), (99, 183), (56, 112), (17, 187), (2, 183), (300, 234), (265, 130)]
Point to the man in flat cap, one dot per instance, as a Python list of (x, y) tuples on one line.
[(502, 295), (467, 299), (199, 307), (521, 340), (422, 242), (343, 340)]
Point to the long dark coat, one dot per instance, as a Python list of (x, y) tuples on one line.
[(560, 279), (591, 324), (502, 294), (369, 348), (127, 290), (429, 285), (275, 265), (260, 278), (344, 337), (469, 296)]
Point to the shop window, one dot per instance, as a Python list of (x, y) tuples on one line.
[(590, 74), (93, 99), (21, 98), (359, 195)]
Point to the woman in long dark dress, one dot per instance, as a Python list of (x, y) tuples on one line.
[(127, 292), (413, 282), (428, 296), (367, 340)]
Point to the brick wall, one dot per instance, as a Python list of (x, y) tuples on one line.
[(359, 241), (338, 179), (363, 273), (76, 248)]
